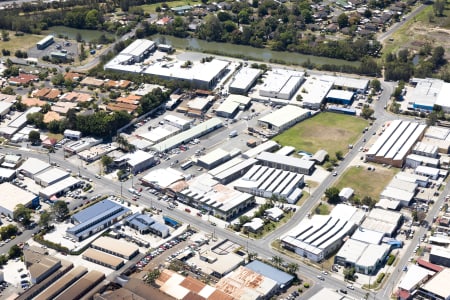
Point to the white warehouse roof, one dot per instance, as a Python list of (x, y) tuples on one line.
[(244, 78), (12, 195), (33, 166), (285, 115), (340, 94)]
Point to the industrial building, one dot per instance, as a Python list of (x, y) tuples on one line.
[(320, 236), (60, 187), (414, 160), (313, 91), (432, 173), (135, 52), (96, 152), (62, 283), (231, 105), (96, 218), (384, 221), (205, 193), (415, 277), (395, 143), (72, 134), (82, 286), (437, 287), (18, 123), (424, 149), (428, 92), (136, 162), (115, 247), (41, 269), (439, 137), (50, 176), (159, 134), (244, 79), (421, 181), (357, 85), (287, 163), (213, 158), (286, 150), (283, 279), (266, 182), (365, 258), (33, 166), (440, 256), (232, 169), (340, 97), (7, 174), (268, 146), (11, 196), (283, 118), (146, 224), (281, 84), (399, 191), (178, 122), (162, 179), (81, 145), (188, 135), (244, 283)]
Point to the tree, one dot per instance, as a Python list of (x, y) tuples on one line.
[(375, 84), (339, 155), (60, 210), (367, 112), (92, 19), (106, 161), (252, 256), (368, 201), (58, 79), (22, 214), (34, 137), (277, 260), (292, 268), (349, 273), (332, 195), (44, 219), (14, 252), (438, 7), (342, 20), (152, 276), (78, 37), (5, 35)]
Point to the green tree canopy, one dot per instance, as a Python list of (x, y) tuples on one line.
[(60, 210)]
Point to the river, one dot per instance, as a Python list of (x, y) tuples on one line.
[(86, 34), (241, 51)]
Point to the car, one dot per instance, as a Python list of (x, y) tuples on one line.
[(405, 268), (320, 277), (343, 291), (350, 287), (324, 272), (335, 173)]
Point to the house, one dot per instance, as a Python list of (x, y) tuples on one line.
[(22, 79), (254, 226), (346, 193), (274, 213), (164, 21)]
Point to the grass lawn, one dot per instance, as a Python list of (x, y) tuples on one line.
[(151, 8), (365, 182), (20, 42), (57, 136), (330, 131), (322, 209)]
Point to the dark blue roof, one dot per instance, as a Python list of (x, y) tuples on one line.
[(282, 278), (95, 210)]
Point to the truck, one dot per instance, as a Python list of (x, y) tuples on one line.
[(187, 165), (233, 134)]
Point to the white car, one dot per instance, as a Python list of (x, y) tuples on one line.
[(335, 173), (350, 287)]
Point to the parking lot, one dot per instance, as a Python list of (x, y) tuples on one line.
[(60, 45)]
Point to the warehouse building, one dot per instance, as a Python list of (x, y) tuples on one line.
[(429, 172), (384, 221), (365, 258), (356, 85), (61, 187), (205, 193), (281, 84), (232, 169), (425, 149), (62, 283), (96, 152), (320, 236), (115, 247), (414, 160), (146, 224), (96, 218), (80, 145), (427, 93), (178, 122), (135, 52), (286, 150), (11, 196), (399, 191), (33, 166), (415, 277), (287, 163), (437, 287), (440, 256), (72, 134), (43, 268), (45, 42), (340, 97), (159, 134), (244, 283), (50, 176), (421, 181), (162, 179), (213, 158), (244, 79), (136, 162), (231, 105), (395, 143), (7, 174), (188, 135), (266, 182), (314, 91), (283, 279), (81, 287), (283, 118), (268, 146)]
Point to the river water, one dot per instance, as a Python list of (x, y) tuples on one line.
[(259, 54)]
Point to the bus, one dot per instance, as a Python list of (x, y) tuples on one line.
[(187, 165)]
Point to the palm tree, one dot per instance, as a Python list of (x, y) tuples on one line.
[(277, 260), (292, 268)]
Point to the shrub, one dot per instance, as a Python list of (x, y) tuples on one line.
[(306, 285), (380, 277)]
